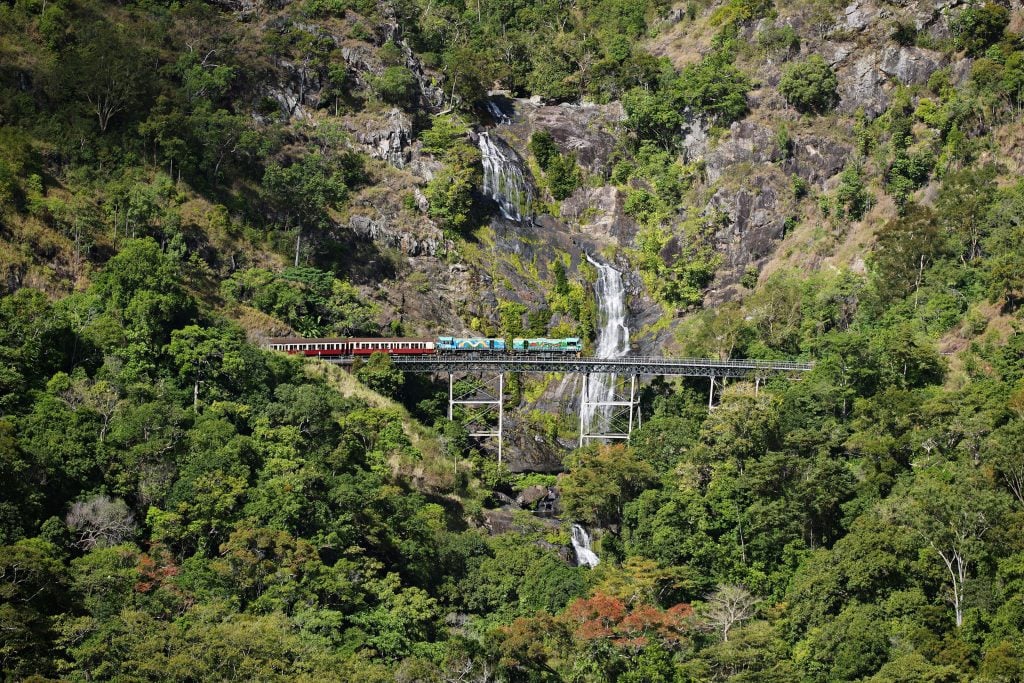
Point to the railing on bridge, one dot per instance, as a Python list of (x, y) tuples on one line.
[(626, 365)]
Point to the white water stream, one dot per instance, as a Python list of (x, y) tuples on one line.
[(504, 181), (612, 342), (499, 116), (585, 557)]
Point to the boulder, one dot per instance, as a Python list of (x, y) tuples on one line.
[(498, 521), (748, 142), (909, 65), (599, 212), (529, 496), (589, 131), (755, 212), (863, 14), (862, 86), (388, 138), (386, 233), (816, 158)]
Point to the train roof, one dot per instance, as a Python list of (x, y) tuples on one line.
[(547, 339), (338, 340)]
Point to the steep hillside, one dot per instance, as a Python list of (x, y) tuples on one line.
[(770, 179)]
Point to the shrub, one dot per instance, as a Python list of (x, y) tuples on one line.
[(978, 26), (653, 115), (852, 196), (907, 173), (380, 374), (1013, 77), (396, 85), (391, 54), (904, 33), (782, 39), (714, 87), (750, 275), (800, 187), (542, 146), (445, 134), (450, 197), (563, 176), (810, 86)]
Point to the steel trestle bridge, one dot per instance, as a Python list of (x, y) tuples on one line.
[(625, 365), (481, 405)]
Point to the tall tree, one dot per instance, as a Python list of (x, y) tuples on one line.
[(951, 513)]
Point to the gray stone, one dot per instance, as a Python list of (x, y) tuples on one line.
[(748, 142), (390, 139), (384, 233), (861, 87), (755, 210), (862, 14), (909, 65), (529, 496), (588, 131), (599, 211), (816, 158), (695, 141)]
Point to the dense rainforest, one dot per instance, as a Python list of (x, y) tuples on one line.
[(779, 179)]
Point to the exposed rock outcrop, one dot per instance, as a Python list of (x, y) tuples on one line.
[(387, 137), (385, 232), (589, 131), (748, 142)]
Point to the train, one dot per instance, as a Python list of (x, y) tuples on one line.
[(420, 346)]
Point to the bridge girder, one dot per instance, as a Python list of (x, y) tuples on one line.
[(635, 365)]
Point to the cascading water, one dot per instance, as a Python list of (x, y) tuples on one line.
[(504, 181), (585, 557), (612, 340), (499, 116)]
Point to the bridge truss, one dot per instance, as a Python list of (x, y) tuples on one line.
[(481, 403)]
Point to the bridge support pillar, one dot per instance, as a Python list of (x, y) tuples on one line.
[(481, 405), (715, 383), (616, 417)]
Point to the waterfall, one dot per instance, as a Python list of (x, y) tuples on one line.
[(612, 339), (499, 116), (585, 557), (504, 181)]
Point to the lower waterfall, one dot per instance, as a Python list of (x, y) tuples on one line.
[(585, 557)]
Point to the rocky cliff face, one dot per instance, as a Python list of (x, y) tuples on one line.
[(746, 181)]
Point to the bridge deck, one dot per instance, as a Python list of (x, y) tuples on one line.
[(627, 365)]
